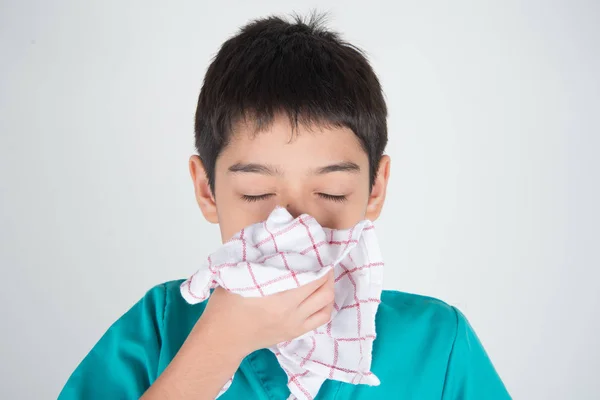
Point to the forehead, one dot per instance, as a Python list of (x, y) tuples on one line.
[(280, 144)]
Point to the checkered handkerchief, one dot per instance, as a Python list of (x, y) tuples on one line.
[(283, 253)]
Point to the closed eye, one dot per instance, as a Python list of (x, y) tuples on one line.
[(331, 197), (252, 199), (260, 197)]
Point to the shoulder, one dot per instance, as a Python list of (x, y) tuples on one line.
[(176, 316), (416, 312), (164, 289), (127, 358), (415, 336), (163, 304), (164, 295)]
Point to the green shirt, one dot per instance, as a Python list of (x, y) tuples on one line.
[(425, 349)]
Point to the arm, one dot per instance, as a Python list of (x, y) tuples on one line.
[(200, 369), (231, 327)]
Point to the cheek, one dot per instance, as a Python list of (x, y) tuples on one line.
[(235, 216), (340, 216)]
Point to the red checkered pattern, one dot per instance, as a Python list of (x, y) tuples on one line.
[(283, 253)]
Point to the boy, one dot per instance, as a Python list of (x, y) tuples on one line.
[(289, 115)]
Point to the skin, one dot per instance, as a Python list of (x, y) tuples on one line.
[(322, 171)]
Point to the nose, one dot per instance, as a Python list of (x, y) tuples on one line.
[(293, 209), (296, 209), (298, 205), (295, 202)]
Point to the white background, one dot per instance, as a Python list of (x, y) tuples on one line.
[(493, 201)]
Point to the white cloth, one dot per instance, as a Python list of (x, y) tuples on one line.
[(282, 253)]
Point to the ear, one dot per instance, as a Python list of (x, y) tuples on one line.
[(377, 196), (204, 195)]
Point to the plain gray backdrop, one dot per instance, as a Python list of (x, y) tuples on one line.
[(493, 199)]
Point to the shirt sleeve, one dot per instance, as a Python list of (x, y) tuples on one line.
[(124, 362), (470, 374)]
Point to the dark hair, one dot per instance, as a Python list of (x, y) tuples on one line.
[(298, 68)]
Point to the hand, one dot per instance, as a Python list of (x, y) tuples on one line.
[(246, 324)]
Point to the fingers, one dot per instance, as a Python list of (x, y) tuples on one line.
[(308, 289), (319, 318), (300, 294), (322, 297)]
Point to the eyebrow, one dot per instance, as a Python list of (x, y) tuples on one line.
[(263, 169), (254, 168), (346, 166)]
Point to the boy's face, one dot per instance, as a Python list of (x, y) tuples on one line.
[(321, 171)]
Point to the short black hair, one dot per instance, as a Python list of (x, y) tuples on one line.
[(298, 68)]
